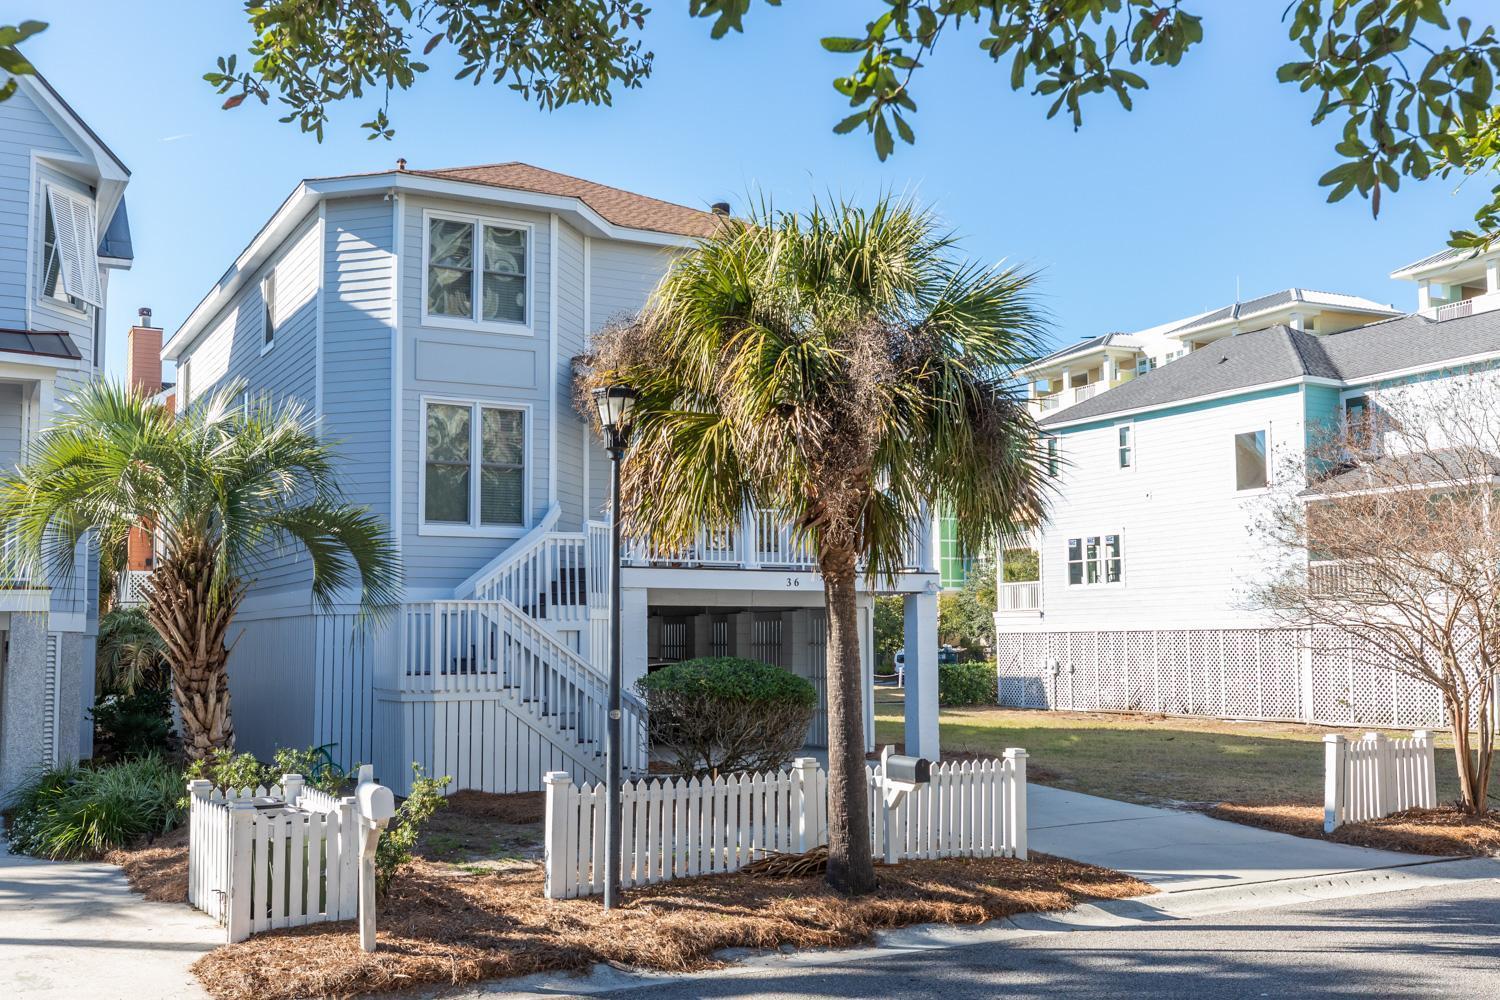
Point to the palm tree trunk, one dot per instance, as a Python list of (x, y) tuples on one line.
[(182, 607), (851, 869)]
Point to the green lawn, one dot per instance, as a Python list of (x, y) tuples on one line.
[(1147, 758)]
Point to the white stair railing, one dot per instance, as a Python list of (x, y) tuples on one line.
[(493, 646)]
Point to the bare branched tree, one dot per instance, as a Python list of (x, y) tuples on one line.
[(1389, 525)]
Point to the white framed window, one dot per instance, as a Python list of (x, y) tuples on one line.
[(1252, 468), (1054, 462), (475, 478), (1125, 445), (1144, 364), (268, 315), (184, 384), (1096, 560), (476, 272), (70, 251)]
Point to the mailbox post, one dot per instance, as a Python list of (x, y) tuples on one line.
[(375, 805), (899, 775)]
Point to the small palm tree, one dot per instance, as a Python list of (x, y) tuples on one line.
[(227, 486), (846, 368)]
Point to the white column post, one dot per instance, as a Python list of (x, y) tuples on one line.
[(1306, 676), (556, 833), (633, 636), (748, 540), (1492, 276), (922, 676), (1015, 800), (865, 616), (1334, 790)]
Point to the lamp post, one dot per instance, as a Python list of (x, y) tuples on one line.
[(614, 404)]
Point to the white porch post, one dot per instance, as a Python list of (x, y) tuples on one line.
[(921, 676), (1492, 276), (865, 615), (633, 643)]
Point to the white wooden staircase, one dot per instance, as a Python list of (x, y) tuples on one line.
[(506, 681)]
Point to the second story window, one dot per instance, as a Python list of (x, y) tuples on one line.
[(1126, 433), (1053, 461), (474, 466), (477, 272), (1251, 470), (268, 311), (70, 248)]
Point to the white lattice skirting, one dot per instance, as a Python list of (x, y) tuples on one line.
[(1279, 675)]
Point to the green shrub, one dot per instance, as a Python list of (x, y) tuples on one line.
[(967, 684), (720, 714), (316, 764), (227, 770), (81, 812), (133, 725), (393, 851)]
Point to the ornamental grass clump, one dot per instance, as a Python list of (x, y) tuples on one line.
[(77, 811), (722, 713)]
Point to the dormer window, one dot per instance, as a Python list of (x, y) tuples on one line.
[(70, 246)]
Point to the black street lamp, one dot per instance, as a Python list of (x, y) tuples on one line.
[(614, 404)]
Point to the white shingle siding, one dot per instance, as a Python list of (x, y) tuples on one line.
[(1189, 551), (488, 366)]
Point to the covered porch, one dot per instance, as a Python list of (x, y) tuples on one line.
[(779, 617)]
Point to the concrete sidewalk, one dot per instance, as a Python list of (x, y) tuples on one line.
[(72, 929), (1182, 851)]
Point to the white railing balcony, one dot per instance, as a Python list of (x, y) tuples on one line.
[(1488, 302), (1049, 403), (763, 539), (1024, 596)]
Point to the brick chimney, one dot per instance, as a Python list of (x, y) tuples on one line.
[(143, 355)]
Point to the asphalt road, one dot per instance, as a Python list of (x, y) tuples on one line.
[(1438, 942)]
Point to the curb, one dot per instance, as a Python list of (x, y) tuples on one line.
[(1165, 906)]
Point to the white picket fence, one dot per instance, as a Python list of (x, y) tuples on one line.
[(1376, 776), (266, 858), (675, 828)]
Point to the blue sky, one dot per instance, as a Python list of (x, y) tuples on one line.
[(1140, 217)]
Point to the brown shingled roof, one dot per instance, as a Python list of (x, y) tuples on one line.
[(623, 208)]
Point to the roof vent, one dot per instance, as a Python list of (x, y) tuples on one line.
[(720, 208), (144, 312), (401, 164)]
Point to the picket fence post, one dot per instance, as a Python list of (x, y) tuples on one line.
[(1335, 788), (1426, 768), (805, 801), (291, 788), (241, 833), (198, 792), (1014, 819), (556, 853)]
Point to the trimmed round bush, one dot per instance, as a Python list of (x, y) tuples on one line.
[(967, 684), (723, 713)]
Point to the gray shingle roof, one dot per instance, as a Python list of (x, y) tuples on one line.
[(1279, 353), (1447, 255), (1285, 297), (1442, 465), (1083, 347)]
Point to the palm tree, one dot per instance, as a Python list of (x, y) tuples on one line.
[(844, 367), (228, 485)]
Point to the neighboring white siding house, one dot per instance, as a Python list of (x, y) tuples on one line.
[(62, 214), (1150, 560), (430, 320)]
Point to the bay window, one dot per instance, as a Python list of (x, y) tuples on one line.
[(473, 466), (476, 272)]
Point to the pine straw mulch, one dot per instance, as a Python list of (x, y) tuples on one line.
[(1421, 831), (439, 927), (157, 869)]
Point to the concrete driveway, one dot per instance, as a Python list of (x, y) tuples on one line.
[(1182, 851), (70, 930)]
